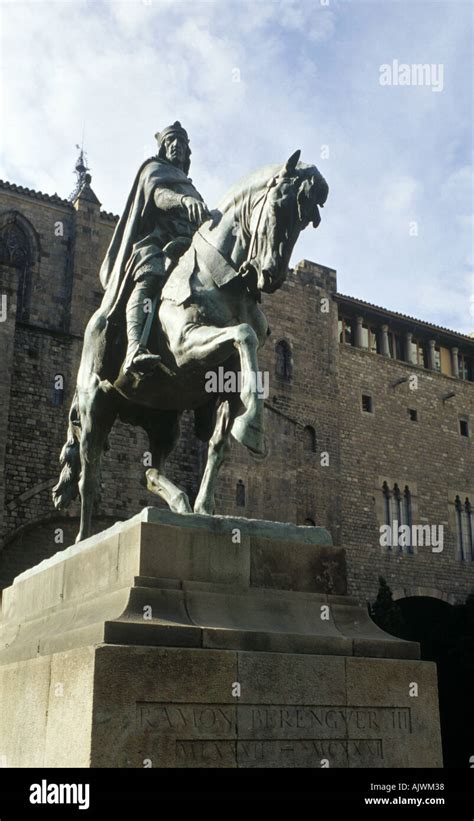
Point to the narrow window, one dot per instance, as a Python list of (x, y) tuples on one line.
[(407, 516), (367, 403), (469, 527), (283, 359), (464, 528), (240, 494), (310, 439), (397, 511), (463, 427), (387, 504), (460, 529)]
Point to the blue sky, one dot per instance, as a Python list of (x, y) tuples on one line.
[(398, 223)]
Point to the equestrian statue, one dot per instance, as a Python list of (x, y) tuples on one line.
[(182, 297)]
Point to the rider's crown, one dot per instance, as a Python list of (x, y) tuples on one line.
[(176, 128)]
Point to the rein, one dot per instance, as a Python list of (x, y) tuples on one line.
[(270, 184)]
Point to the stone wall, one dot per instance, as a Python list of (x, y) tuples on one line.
[(429, 455)]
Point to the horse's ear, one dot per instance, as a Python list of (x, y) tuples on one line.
[(290, 166)]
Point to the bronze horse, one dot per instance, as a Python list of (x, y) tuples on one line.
[(208, 316)]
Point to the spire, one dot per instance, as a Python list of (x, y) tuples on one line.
[(80, 169)]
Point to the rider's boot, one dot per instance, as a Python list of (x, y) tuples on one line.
[(138, 357)]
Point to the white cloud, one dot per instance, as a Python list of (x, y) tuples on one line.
[(400, 194)]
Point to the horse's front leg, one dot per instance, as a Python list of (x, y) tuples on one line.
[(210, 346), (248, 427), (218, 451)]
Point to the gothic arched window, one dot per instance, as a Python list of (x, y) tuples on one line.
[(283, 359), (397, 504), (18, 249), (406, 515), (397, 512)]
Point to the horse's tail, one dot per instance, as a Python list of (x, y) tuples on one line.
[(67, 488)]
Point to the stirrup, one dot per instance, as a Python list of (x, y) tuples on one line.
[(142, 361)]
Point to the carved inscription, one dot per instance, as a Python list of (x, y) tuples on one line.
[(183, 720), (329, 722), (260, 721), (277, 752), (268, 735)]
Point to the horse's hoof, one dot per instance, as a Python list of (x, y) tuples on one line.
[(249, 435), (203, 510), (152, 480), (180, 503)]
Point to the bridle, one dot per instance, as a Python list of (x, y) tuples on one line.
[(223, 269)]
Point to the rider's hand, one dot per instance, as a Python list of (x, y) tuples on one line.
[(250, 277), (197, 211)]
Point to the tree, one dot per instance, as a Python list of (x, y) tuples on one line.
[(385, 612)]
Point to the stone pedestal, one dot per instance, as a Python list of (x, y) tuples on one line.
[(187, 641)]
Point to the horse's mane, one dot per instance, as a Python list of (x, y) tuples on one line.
[(257, 180)]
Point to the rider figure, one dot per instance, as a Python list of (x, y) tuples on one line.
[(162, 213)]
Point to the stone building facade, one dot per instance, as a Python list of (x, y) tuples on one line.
[(370, 414)]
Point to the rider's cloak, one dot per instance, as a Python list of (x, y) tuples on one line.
[(141, 219)]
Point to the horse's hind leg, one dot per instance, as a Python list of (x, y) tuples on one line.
[(163, 433), (98, 414), (218, 451)]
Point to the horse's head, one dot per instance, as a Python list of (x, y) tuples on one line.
[(279, 209)]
